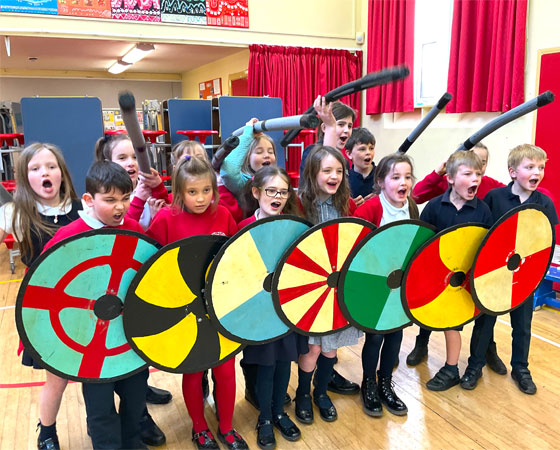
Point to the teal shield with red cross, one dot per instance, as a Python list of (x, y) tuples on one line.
[(69, 306)]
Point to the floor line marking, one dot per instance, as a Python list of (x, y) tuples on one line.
[(556, 344), (11, 281)]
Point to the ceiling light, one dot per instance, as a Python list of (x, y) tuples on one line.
[(137, 53), (119, 66)]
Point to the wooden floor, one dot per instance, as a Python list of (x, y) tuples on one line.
[(496, 415)]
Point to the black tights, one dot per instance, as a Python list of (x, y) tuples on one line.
[(370, 353), (272, 385)]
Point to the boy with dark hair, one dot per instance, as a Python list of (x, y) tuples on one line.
[(360, 149), (457, 205), (526, 165), (109, 188)]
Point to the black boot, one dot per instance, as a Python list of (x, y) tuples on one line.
[(48, 439), (157, 396), (370, 397), (493, 360), (418, 353), (387, 395), (150, 433)]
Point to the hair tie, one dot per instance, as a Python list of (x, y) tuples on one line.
[(253, 178), (188, 157)]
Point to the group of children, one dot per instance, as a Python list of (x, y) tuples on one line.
[(338, 179)]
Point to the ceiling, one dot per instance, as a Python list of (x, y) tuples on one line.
[(98, 55)]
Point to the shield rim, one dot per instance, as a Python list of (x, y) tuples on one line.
[(134, 284), (286, 255), (25, 282), (348, 262), (416, 254), (210, 279), (501, 220)]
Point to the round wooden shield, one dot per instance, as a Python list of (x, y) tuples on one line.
[(239, 281), (512, 259), (304, 285), (165, 316), (369, 292), (69, 306), (436, 289)]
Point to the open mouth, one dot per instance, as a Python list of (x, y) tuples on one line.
[(472, 189), (266, 163), (47, 184), (367, 161), (117, 217), (402, 192), (533, 182), (276, 205)]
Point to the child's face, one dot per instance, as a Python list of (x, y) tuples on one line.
[(197, 151), (108, 207), (330, 175), (483, 155), (361, 156), (45, 177), (123, 154), (465, 182), (197, 194), (272, 197), (343, 131), (397, 184), (528, 174), (262, 155)]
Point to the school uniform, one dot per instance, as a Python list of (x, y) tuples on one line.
[(308, 149), (108, 428), (500, 201), (139, 209), (360, 185)]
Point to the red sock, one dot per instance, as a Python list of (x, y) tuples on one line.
[(192, 394), (225, 393)]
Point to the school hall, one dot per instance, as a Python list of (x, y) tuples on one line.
[(56, 55)]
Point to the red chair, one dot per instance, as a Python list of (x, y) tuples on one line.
[(10, 241), (9, 185), (9, 139), (115, 132), (202, 135)]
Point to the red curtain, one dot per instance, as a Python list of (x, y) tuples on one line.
[(487, 59), (390, 43), (298, 74)]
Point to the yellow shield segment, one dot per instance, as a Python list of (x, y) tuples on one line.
[(297, 308), (170, 347), (162, 285), (347, 236), (534, 232), (452, 308), (227, 346), (238, 277), (293, 276), (315, 248), (458, 248), (496, 288), (324, 320)]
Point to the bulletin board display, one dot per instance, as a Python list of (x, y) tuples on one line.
[(74, 124), (210, 89), (216, 13), (546, 123), (112, 120)]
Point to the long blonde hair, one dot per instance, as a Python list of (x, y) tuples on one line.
[(246, 166), (192, 167), (26, 218)]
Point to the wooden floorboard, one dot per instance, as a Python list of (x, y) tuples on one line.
[(496, 415)]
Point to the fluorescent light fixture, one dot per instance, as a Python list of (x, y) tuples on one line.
[(119, 66), (137, 53)]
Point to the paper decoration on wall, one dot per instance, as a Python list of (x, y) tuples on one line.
[(85, 8), (304, 285), (228, 13), (369, 292), (69, 306), (184, 11), (210, 89), (138, 10), (512, 260), (238, 289), (436, 292), (29, 6), (165, 317)]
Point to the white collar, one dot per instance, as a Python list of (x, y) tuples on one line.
[(392, 210), (58, 210), (92, 222)]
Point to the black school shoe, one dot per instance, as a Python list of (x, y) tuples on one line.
[(157, 396), (418, 353), (265, 435), (443, 380), (470, 378), (524, 381), (150, 433), (304, 409), (371, 403), (340, 385), (327, 410), (204, 440), (238, 442), (48, 444), (287, 427), (494, 361)]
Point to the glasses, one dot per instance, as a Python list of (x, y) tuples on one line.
[(271, 192)]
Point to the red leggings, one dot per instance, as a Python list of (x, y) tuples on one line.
[(224, 375)]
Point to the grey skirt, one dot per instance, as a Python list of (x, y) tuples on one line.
[(343, 338)]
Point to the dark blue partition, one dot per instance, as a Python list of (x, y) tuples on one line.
[(188, 115), (72, 123), (236, 111)]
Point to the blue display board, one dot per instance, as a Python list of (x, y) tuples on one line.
[(29, 6), (236, 111), (188, 115), (73, 124)]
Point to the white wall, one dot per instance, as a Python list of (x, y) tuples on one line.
[(13, 89)]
